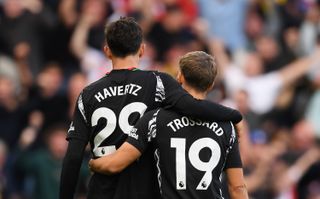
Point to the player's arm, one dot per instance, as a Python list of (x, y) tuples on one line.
[(177, 99), (117, 161), (71, 167), (78, 136), (236, 184), (128, 152)]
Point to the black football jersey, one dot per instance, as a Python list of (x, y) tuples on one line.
[(107, 110), (190, 154)]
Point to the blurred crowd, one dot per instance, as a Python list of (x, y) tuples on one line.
[(269, 69)]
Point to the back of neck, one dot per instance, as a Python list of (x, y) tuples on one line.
[(195, 93), (125, 62)]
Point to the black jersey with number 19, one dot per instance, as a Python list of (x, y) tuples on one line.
[(191, 154), (107, 110)]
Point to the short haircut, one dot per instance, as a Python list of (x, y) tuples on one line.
[(123, 36), (199, 70)]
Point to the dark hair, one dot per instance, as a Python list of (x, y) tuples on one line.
[(199, 70), (123, 36)]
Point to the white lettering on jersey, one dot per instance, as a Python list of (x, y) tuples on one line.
[(112, 91), (136, 88), (184, 121), (99, 97)]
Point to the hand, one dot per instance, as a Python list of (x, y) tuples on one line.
[(200, 26), (27, 137), (93, 165), (100, 165), (90, 164), (36, 119)]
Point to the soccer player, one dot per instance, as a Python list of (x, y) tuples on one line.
[(191, 153), (107, 109)]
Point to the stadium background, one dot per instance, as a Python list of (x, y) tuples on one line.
[(51, 49)]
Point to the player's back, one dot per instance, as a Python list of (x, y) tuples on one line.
[(115, 103), (109, 108), (192, 154)]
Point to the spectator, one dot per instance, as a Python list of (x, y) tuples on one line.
[(309, 29), (50, 49), (93, 63), (13, 114), (300, 156), (273, 58), (226, 21), (262, 89), (24, 22), (43, 166), (49, 98), (170, 31)]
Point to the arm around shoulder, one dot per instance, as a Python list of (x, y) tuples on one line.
[(117, 161), (177, 99)]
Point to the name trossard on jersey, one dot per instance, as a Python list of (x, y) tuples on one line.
[(106, 111), (191, 154)]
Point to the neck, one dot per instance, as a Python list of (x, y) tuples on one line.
[(125, 62), (195, 93)]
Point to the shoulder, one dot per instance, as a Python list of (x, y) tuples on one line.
[(162, 74), (228, 128), (151, 114), (152, 118), (155, 73), (95, 84), (90, 90)]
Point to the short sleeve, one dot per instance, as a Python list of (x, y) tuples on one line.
[(233, 159), (144, 131)]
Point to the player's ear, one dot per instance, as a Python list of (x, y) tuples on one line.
[(180, 77), (107, 51), (211, 87), (141, 49)]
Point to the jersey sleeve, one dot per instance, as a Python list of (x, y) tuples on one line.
[(70, 168), (178, 100), (144, 131), (79, 128), (78, 136), (233, 159)]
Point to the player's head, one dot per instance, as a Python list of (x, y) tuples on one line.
[(198, 71), (123, 38)]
